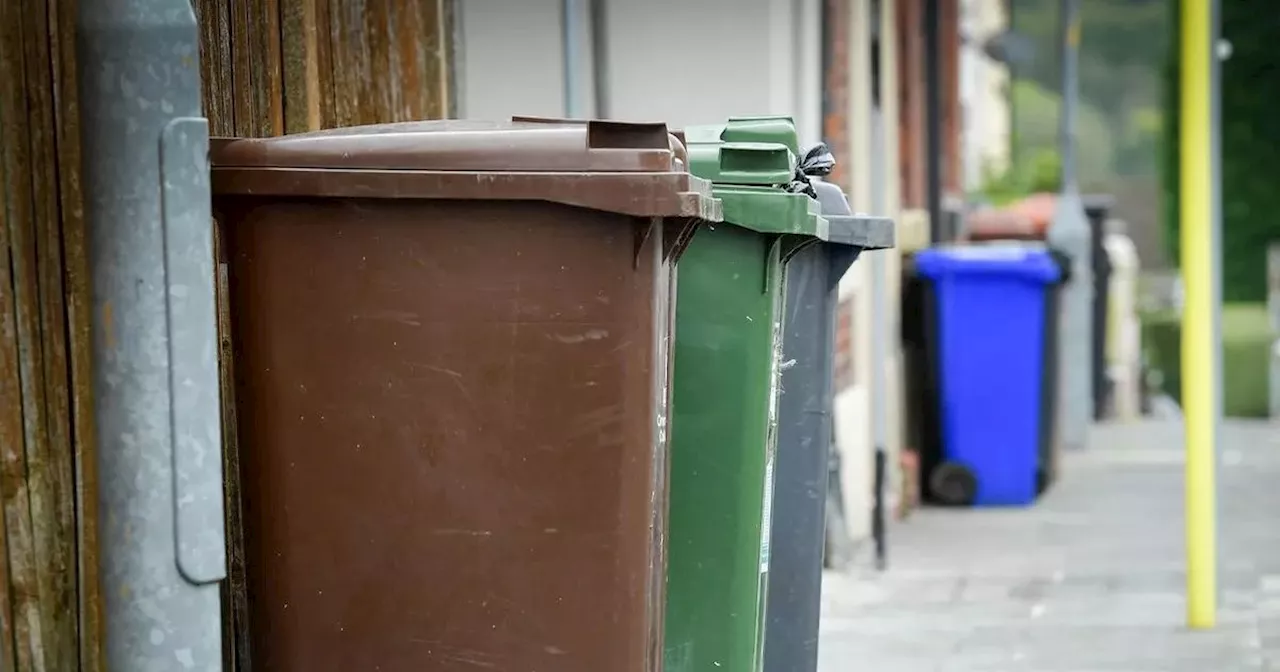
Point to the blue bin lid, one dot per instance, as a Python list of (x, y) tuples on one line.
[(1025, 262)]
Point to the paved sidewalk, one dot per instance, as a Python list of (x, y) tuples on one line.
[(1090, 580)]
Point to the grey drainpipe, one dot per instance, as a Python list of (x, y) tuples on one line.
[(879, 304), (933, 119), (162, 547), (600, 56), (570, 29), (1070, 233)]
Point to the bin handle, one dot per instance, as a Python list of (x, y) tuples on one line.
[(1064, 265), (192, 340), (676, 234)]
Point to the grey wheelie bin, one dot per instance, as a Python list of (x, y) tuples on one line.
[(805, 429)]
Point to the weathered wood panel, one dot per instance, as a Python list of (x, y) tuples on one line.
[(29, 623), (308, 97), (48, 607), (215, 65), (268, 67), (56, 536), (287, 66), (255, 76)]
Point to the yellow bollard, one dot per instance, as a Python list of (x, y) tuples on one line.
[(1201, 341)]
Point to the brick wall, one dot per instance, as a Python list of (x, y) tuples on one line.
[(911, 100), (835, 94), (949, 50), (912, 139), (844, 374), (835, 131)]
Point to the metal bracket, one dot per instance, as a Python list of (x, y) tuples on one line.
[(191, 317)]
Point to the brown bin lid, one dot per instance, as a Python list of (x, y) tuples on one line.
[(632, 168), (518, 145), (676, 138), (1027, 219)]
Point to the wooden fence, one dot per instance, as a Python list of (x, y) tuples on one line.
[(269, 67)]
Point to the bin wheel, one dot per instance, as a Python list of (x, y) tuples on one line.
[(953, 484)]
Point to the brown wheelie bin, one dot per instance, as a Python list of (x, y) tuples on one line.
[(451, 344)]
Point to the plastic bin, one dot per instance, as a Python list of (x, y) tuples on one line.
[(1029, 220), (923, 379), (993, 380), (1097, 209), (923, 426), (728, 344), (451, 354), (1124, 329), (805, 429)]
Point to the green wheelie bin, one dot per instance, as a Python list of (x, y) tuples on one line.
[(725, 392)]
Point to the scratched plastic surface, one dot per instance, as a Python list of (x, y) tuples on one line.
[(728, 343), (452, 414)]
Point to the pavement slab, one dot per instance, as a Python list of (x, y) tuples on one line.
[(1090, 579)]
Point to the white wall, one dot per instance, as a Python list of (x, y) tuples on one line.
[(876, 188), (690, 62), (666, 65), (808, 64), (680, 61), (512, 59), (983, 92), (853, 404), (892, 185)]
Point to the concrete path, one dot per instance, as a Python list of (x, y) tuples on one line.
[(1089, 580)]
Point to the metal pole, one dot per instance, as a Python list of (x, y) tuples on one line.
[(933, 118), (600, 56), (1070, 233), (1273, 310), (1201, 318), (569, 23), (879, 324), (146, 186), (1070, 20), (1011, 25)]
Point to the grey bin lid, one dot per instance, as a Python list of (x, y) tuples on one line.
[(866, 231)]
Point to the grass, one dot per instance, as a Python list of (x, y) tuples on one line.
[(1246, 344)]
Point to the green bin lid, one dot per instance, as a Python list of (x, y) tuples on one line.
[(779, 129), (750, 161), (759, 163)]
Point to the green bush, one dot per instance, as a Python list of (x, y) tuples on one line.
[(1035, 172), (1246, 344), (1138, 147), (1037, 119), (1250, 146)]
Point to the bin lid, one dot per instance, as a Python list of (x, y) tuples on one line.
[(750, 174), (632, 168), (1024, 262), (675, 138), (756, 150), (1097, 207), (524, 144), (845, 227), (777, 128), (760, 163)]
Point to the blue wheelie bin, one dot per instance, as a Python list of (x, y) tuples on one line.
[(992, 310)]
